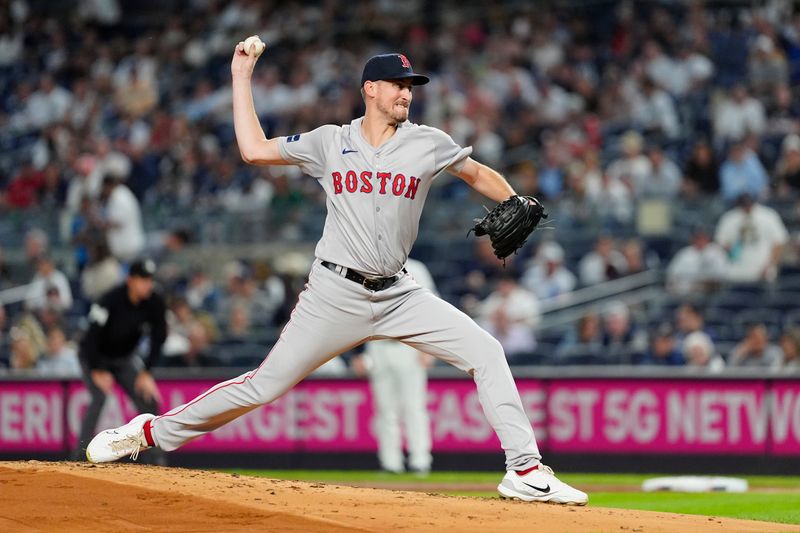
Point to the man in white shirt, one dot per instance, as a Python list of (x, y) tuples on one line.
[(633, 167), (754, 236), (48, 288), (737, 116), (697, 267), (664, 180), (124, 230), (509, 314), (548, 277)]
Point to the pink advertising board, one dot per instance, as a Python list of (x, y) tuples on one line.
[(31, 416), (321, 416), (569, 416), (785, 418), (622, 416)]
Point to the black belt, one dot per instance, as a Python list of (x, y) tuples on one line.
[(372, 284)]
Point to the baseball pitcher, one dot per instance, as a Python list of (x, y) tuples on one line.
[(376, 171)]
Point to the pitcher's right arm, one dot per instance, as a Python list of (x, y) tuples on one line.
[(254, 146)]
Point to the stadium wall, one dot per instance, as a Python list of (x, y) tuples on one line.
[(590, 419)]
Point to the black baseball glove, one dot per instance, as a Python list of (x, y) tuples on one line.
[(510, 223)]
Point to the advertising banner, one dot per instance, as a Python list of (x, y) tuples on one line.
[(569, 416)]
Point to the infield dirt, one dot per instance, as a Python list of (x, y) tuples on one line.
[(41, 496)]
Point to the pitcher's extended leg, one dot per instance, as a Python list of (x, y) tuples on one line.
[(434, 326), (328, 320)]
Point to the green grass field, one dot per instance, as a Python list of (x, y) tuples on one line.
[(771, 498)]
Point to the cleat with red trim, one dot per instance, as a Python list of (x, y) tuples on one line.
[(113, 444)]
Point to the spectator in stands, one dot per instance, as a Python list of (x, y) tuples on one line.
[(510, 314), (202, 293), (48, 288), (787, 171), (621, 337), (698, 351), (24, 352), (783, 113), (238, 323), (737, 116), (611, 199), (165, 248), (742, 173), (633, 168), (551, 175), (756, 350), (86, 182), (689, 319), (22, 192), (754, 236), (604, 263), (137, 96), (60, 359), (586, 338), (479, 271), (36, 245), (634, 256), (664, 180), (123, 220), (548, 277), (790, 345), (663, 348), (102, 272), (242, 289), (190, 337), (766, 67), (654, 112), (701, 172), (697, 268)]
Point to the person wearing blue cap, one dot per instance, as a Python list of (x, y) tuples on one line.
[(376, 172)]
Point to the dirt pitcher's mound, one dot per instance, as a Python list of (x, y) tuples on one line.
[(39, 496)]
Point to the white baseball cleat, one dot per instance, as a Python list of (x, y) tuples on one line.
[(540, 485), (113, 444)]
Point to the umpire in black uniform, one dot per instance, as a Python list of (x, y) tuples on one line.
[(117, 323)]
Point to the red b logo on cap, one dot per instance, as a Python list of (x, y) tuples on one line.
[(404, 60)]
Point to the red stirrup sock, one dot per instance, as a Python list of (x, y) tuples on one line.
[(528, 471), (148, 436)]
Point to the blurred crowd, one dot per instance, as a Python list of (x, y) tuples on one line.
[(110, 109)]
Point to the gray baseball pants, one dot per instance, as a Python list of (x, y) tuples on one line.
[(334, 315)]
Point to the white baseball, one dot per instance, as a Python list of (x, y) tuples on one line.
[(260, 46)]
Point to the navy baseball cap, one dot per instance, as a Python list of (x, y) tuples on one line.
[(391, 67), (142, 268)]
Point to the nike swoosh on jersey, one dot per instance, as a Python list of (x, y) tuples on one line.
[(346, 151), (546, 488)]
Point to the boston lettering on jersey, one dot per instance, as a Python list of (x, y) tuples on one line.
[(384, 182)]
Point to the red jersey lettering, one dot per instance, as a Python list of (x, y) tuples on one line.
[(337, 183), (413, 183), (384, 177), (351, 182), (366, 181), (399, 184)]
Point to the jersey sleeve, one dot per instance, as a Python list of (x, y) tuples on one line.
[(448, 153), (307, 150)]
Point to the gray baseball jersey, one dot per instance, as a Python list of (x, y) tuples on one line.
[(374, 195)]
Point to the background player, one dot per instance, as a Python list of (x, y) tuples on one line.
[(376, 172), (398, 379), (108, 350)]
